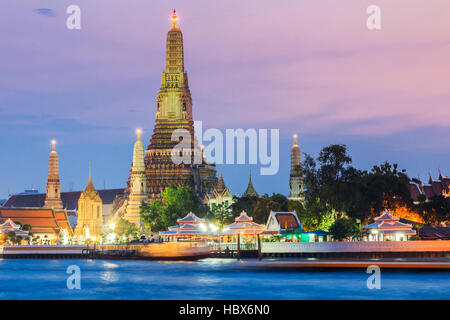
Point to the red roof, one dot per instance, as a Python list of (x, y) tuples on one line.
[(42, 220), (287, 221)]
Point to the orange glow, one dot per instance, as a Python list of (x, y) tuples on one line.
[(174, 17), (405, 213)]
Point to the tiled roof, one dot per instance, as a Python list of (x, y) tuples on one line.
[(243, 217), (433, 232), (42, 220), (69, 199), (190, 218), (286, 220), (386, 216)]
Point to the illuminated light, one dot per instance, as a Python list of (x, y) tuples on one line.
[(213, 227), (174, 17), (53, 144), (374, 231), (203, 227), (295, 138), (139, 132), (112, 225)]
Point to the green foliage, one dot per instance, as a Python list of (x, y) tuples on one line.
[(124, 227), (333, 188), (176, 203), (344, 228), (27, 227), (259, 208), (222, 214)]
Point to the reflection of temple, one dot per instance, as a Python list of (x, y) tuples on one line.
[(440, 186), (174, 111)]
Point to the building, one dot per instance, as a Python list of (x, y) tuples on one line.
[(8, 226), (435, 187), (69, 201), (90, 219), (244, 226), (138, 185), (388, 228), (296, 175), (221, 195), (250, 191), (282, 223), (174, 112), (189, 228), (47, 223), (53, 195)]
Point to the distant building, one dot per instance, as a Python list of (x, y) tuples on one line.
[(220, 195), (250, 191), (90, 219), (296, 175), (138, 185), (47, 223), (440, 186), (53, 195)]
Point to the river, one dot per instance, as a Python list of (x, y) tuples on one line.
[(207, 279)]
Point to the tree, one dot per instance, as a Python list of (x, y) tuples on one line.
[(27, 227), (344, 228), (384, 187), (126, 228), (222, 213), (436, 210), (176, 203), (11, 236)]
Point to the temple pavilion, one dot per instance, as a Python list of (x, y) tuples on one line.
[(389, 228), (189, 228), (8, 226), (242, 225)]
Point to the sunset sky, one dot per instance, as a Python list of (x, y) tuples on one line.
[(306, 67)]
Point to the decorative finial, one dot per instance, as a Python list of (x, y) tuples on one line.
[(174, 17), (139, 132), (53, 144), (295, 139), (89, 171)]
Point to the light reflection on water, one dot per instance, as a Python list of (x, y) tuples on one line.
[(207, 279)]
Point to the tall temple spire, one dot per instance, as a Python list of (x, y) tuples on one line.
[(138, 184), (174, 112), (250, 191), (296, 175), (53, 193)]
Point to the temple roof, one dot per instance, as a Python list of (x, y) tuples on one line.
[(386, 216), (190, 218), (243, 217), (42, 220), (250, 192), (69, 199)]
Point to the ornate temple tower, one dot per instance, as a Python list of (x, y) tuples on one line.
[(53, 195), (174, 111), (138, 184), (90, 208), (250, 191), (296, 176)]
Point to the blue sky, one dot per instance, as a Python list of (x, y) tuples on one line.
[(310, 68)]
